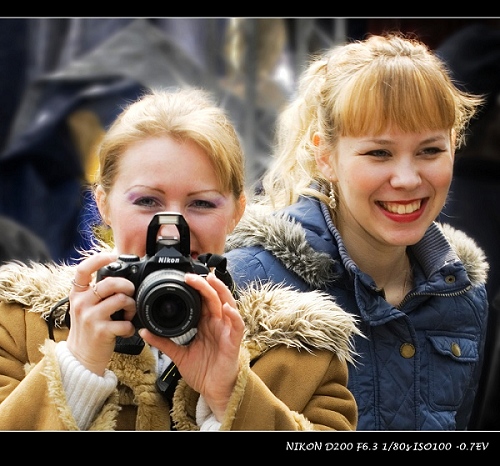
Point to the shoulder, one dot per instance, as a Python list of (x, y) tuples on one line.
[(468, 251), (267, 243), (275, 314), (36, 286)]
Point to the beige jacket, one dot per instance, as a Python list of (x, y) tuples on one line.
[(293, 364)]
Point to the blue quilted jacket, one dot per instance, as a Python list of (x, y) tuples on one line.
[(418, 364)]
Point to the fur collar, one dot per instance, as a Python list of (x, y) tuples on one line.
[(286, 239)]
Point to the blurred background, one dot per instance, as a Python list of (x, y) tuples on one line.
[(63, 81)]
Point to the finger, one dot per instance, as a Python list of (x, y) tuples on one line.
[(122, 328), (96, 293), (210, 297), (116, 294), (165, 345), (78, 286), (234, 317), (86, 269), (223, 291), (113, 285)]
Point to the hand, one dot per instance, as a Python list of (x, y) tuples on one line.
[(92, 335), (210, 363)]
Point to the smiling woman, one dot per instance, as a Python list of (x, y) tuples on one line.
[(363, 166)]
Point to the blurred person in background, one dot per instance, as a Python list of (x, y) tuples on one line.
[(19, 243)]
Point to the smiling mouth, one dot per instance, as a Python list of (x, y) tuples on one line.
[(401, 209)]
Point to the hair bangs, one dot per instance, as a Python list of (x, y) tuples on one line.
[(398, 96)]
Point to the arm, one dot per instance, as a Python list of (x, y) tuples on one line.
[(288, 389), (30, 376), (30, 382)]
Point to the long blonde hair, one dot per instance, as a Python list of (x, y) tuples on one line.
[(359, 88)]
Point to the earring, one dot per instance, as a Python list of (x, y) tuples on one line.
[(331, 195)]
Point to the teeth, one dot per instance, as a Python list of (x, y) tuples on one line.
[(396, 208)]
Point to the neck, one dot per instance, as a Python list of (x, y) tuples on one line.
[(390, 268), (398, 284)]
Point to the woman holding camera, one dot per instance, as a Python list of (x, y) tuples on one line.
[(269, 359)]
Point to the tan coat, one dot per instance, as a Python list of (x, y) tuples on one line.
[(293, 364)]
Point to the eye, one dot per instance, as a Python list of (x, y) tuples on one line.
[(432, 151), (378, 153), (202, 204), (146, 202)]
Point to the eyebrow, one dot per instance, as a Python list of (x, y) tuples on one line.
[(390, 141)]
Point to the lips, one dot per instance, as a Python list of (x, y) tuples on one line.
[(401, 208)]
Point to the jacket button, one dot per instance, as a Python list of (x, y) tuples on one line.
[(407, 350), (455, 349), (450, 279)]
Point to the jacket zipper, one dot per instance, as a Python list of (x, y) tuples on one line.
[(449, 295)]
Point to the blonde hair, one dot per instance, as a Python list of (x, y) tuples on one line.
[(362, 87), (188, 114)]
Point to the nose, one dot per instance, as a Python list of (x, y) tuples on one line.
[(406, 174)]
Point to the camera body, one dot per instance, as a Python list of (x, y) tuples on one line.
[(166, 305)]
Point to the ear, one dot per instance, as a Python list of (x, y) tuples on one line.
[(323, 158), (101, 202)]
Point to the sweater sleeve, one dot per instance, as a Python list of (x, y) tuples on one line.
[(205, 418), (85, 391)]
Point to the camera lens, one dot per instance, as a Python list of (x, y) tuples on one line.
[(166, 305)]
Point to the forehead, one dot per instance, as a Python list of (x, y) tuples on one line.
[(165, 160)]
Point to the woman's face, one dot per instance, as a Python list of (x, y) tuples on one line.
[(162, 174), (392, 186)]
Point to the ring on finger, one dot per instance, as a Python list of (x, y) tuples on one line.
[(77, 285), (94, 289)]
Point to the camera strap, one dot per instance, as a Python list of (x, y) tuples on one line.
[(219, 264), (132, 345), (167, 381)]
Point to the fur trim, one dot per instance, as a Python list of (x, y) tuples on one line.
[(239, 390), (106, 419), (285, 238), (36, 286), (185, 399), (184, 407), (278, 315), (273, 314), (55, 387), (471, 255), (138, 372)]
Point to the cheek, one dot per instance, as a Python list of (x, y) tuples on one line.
[(441, 176), (354, 181), (208, 235), (130, 235)]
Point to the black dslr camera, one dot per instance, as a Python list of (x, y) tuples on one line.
[(165, 304)]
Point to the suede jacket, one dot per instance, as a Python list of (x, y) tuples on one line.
[(418, 364), (293, 363)]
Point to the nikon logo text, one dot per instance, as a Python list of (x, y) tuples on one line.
[(168, 260)]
